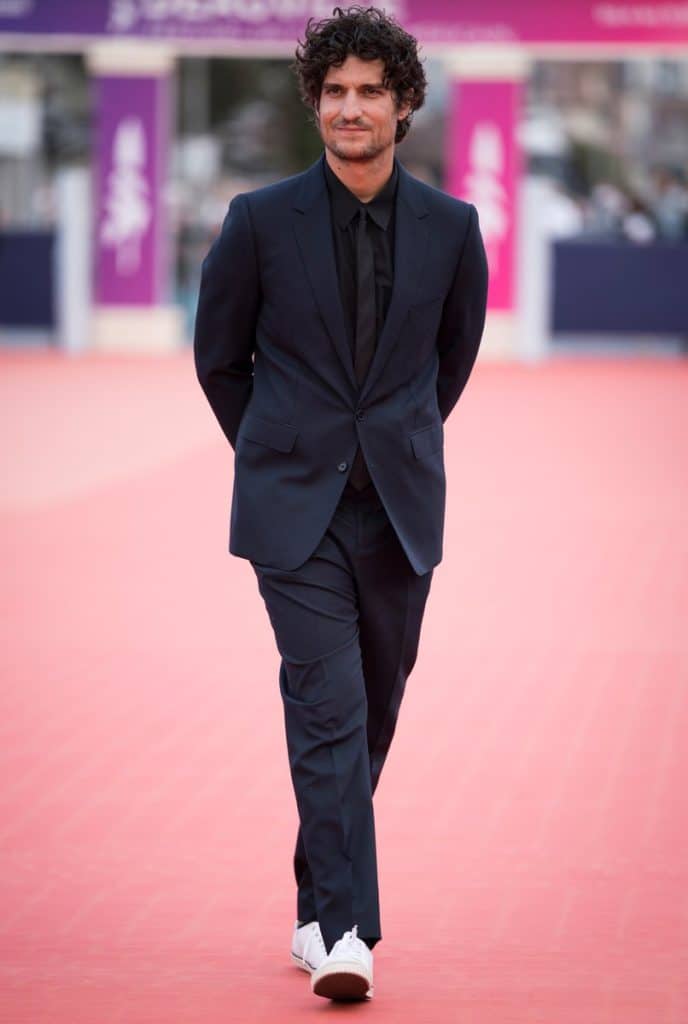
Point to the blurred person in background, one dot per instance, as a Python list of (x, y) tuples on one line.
[(563, 213), (339, 317), (605, 210), (669, 203), (638, 224)]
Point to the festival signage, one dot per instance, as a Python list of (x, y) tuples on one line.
[(282, 21), (545, 21), (483, 162), (128, 233)]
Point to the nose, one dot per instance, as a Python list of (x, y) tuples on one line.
[(351, 107)]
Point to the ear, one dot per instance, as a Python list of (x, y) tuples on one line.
[(404, 106)]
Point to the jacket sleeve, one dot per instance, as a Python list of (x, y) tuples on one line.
[(228, 304), (463, 318)]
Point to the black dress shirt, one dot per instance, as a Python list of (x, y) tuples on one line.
[(345, 207)]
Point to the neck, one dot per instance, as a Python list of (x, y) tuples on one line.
[(364, 178)]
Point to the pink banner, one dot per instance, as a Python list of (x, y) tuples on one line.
[(483, 167), (132, 115), (570, 21)]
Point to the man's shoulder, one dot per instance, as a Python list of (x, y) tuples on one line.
[(277, 193), (437, 201)]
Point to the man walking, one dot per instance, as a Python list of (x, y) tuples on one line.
[(339, 318)]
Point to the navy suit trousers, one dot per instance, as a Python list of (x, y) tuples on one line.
[(347, 625)]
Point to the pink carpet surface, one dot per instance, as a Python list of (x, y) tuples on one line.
[(532, 817)]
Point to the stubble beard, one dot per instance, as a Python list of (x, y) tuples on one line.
[(366, 155)]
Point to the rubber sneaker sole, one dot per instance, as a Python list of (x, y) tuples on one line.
[(346, 981)]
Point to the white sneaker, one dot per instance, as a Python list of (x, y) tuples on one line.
[(308, 948), (347, 971)]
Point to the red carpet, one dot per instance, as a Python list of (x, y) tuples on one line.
[(533, 814)]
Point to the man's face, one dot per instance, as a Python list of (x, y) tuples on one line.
[(358, 116)]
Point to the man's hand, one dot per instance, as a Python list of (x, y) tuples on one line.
[(463, 319), (228, 303)]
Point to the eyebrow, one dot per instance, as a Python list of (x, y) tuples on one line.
[(363, 85)]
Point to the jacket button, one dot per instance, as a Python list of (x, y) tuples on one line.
[(359, 414), (343, 466)]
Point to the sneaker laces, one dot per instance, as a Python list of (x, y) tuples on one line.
[(349, 944)]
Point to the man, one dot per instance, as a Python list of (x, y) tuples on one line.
[(339, 317)]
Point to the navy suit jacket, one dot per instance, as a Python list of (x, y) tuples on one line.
[(272, 356)]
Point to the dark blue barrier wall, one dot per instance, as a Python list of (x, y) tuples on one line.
[(27, 288), (620, 287)]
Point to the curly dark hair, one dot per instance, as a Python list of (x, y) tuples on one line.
[(370, 34)]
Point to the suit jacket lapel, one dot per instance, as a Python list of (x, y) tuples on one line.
[(410, 240), (313, 227)]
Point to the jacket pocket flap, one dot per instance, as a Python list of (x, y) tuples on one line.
[(280, 436), (426, 441)]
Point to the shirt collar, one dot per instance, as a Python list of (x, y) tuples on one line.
[(346, 205)]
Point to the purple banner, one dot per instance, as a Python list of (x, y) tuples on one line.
[(272, 20), (131, 117), (282, 21)]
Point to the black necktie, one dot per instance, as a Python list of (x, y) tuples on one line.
[(365, 299), (365, 326)]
